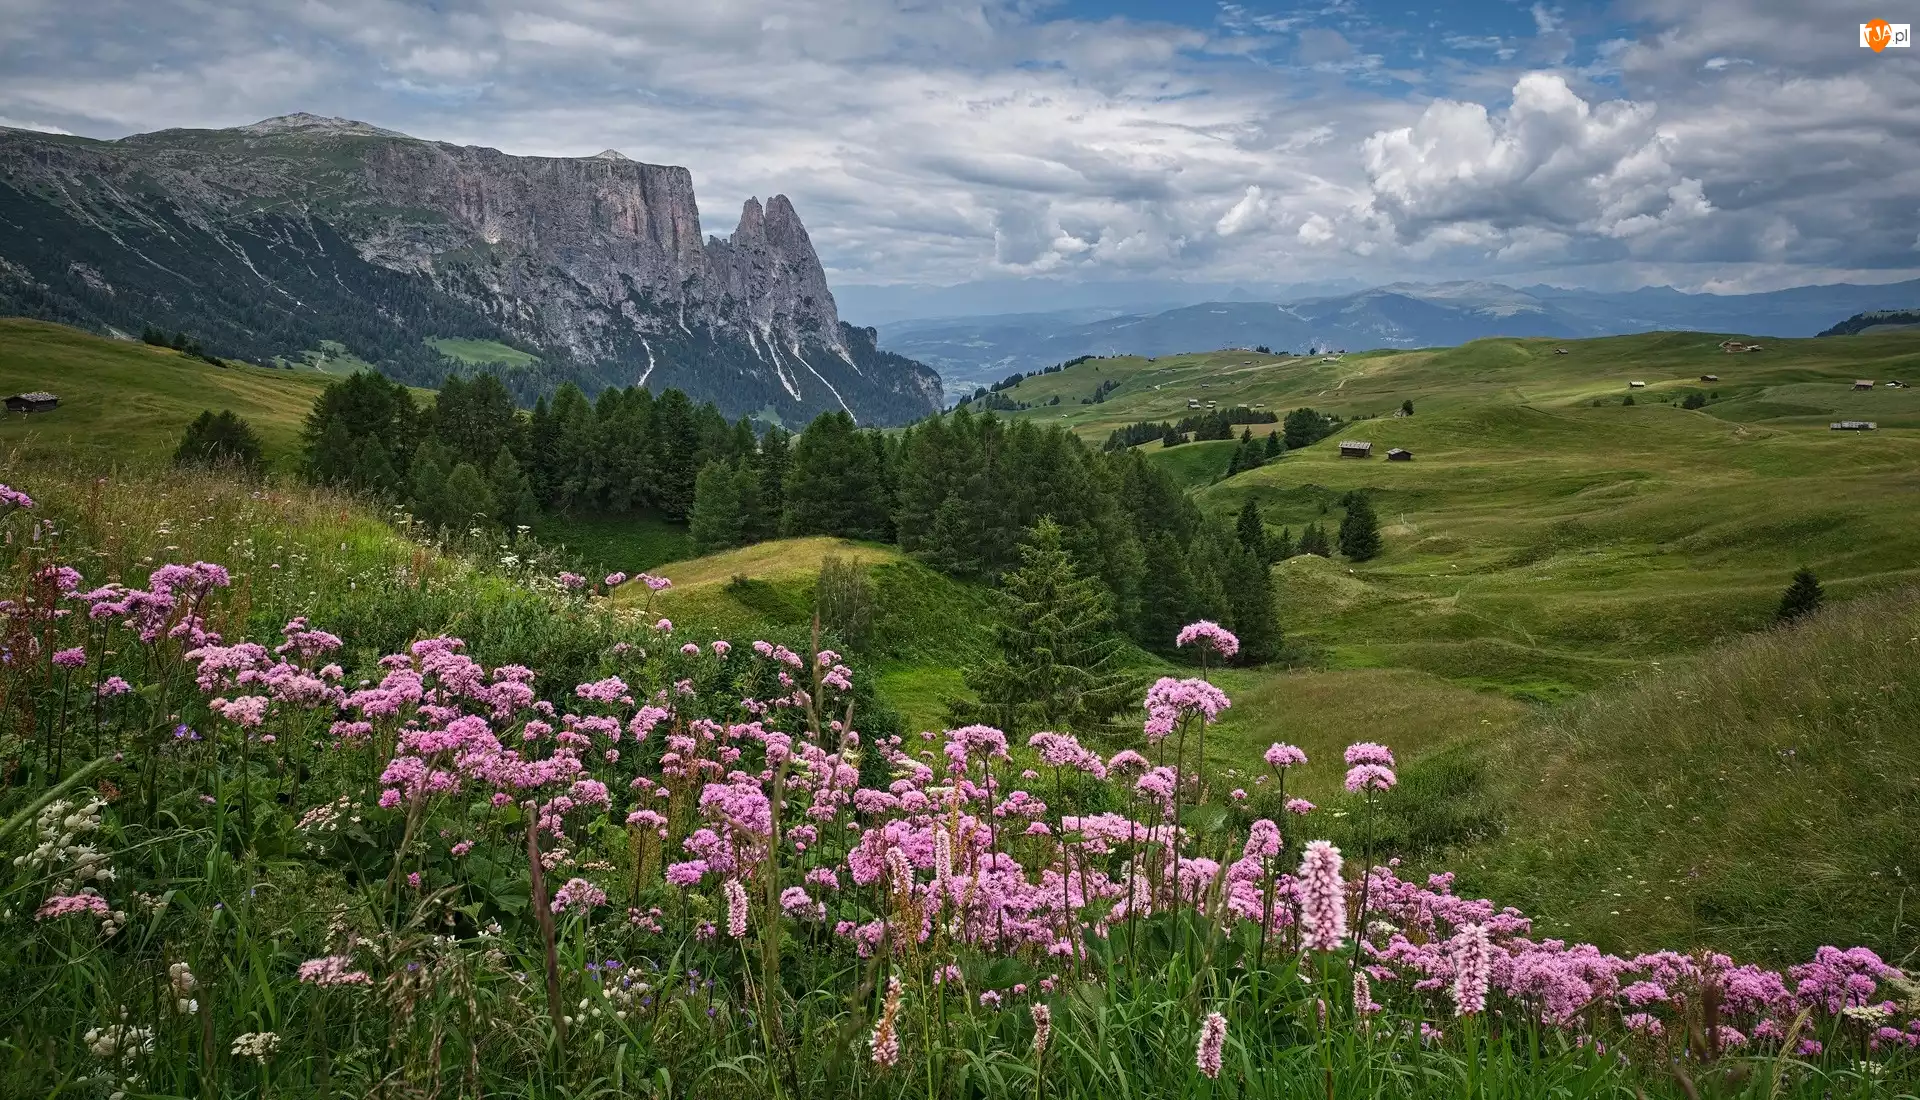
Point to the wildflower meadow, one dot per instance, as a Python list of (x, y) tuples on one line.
[(346, 815)]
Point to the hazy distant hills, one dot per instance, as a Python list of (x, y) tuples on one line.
[(971, 351)]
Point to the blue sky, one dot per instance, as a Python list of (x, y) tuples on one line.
[(1708, 144)]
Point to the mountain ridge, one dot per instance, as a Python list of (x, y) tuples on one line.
[(971, 352), (265, 239)]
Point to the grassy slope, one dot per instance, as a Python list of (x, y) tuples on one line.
[(1763, 799), (122, 401), (1539, 543), (481, 352)]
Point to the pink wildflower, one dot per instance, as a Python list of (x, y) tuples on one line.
[(70, 658), (1210, 635), (1366, 752), (1472, 967), (332, 970), (1281, 755), (1323, 898), (1373, 777), (1213, 1038), (1042, 1028), (736, 908)]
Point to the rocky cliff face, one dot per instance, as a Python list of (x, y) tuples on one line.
[(596, 264)]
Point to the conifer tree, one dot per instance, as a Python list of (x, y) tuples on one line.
[(1250, 612), (466, 500), (372, 469), (1252, 533), (1274, 447), (1802, 597), (330, 458), (1406, 407), (1359, 529), (1313, 540), (1283, 546), (836, 484), (775, 456), (1057, 663), (719, 518), (514, 503), (428, 482), (221, 439)]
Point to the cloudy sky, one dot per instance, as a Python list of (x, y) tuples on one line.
[(1707, 144)]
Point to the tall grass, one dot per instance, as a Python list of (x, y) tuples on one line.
[(354, 891)]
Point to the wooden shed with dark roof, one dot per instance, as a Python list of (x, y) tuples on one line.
[(1354, 448)]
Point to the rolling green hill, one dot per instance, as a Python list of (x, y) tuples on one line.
[(1547, 539), (125, 401)]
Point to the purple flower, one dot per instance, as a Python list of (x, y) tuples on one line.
[(1323, 898), (1210, 635), (1366, 752), (1281, 755), (14, 497), (70, 658), (615, 580), (1372, 777), (1472, 965), (572, 581), (1213, 1038)]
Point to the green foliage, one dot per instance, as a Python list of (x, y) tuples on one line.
[(1694, 400), (1359, 537), (843, 598), (466, 500), (1057, 660), (1252, 532), (221, 439), (1802, 597), (1406, 406), (1305, 427), (837, 482), (1314, 540), (726, 503)]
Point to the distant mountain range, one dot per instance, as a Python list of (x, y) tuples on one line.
[(274, 239), (975, 351)]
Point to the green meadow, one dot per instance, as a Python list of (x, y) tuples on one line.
[(1564, 578)]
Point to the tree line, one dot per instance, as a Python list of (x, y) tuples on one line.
[(962, 492), (469, 457)]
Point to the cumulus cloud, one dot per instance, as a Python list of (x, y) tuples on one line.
[(1551, 160), (945, 142)]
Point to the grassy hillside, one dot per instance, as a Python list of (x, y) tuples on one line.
[(1547, 539), (123, 401), (1499, 372), (1763, 799)]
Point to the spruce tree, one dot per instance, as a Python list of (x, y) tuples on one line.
[(1283, 546), (1251, 613), (466, 500), (1274, 447), (331, 457), (1313, 540), (221, 439), (1406, 407), (1057, 664), (719, 515), (513, 499), (1252, 533), (1803, 596), (1359, 529), (427, 484), (372, 469)]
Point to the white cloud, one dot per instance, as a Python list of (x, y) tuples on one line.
[(1551, 160), (943, 142)]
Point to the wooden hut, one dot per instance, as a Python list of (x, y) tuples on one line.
[(1852, 426), (1353, 448), (1399, 454), (34, 402)]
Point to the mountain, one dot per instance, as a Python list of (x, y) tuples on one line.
[(263, 241), (975, 351), (1878, 320)]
